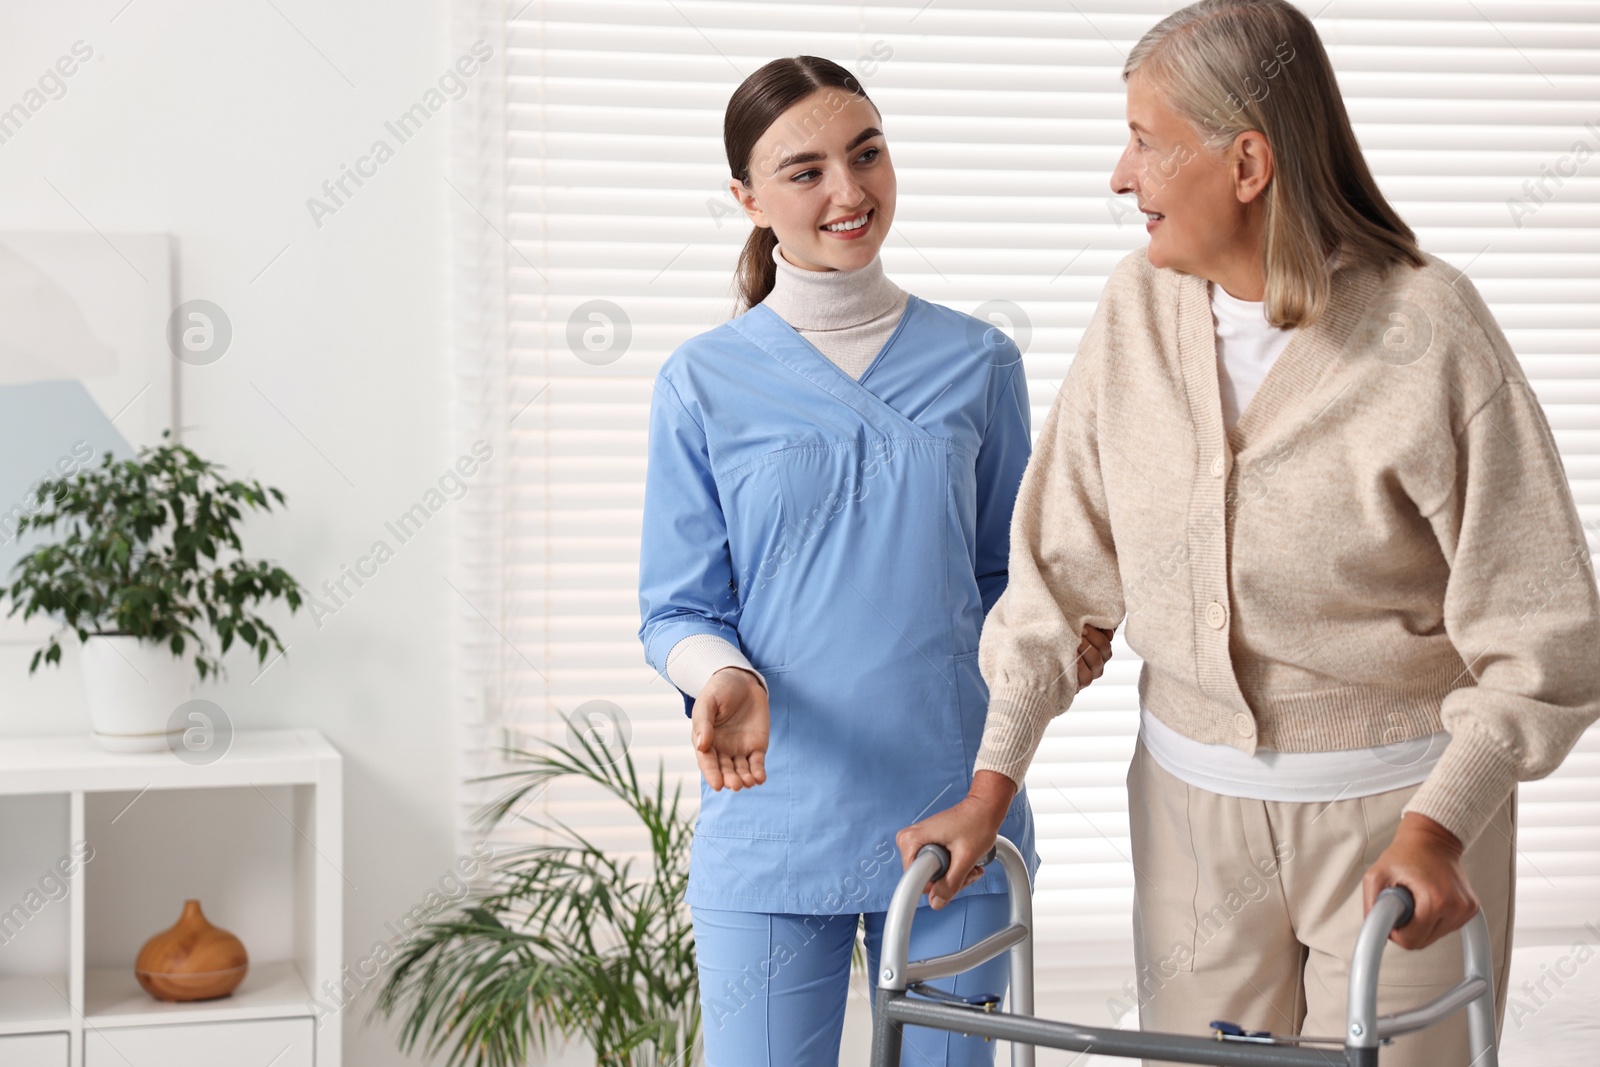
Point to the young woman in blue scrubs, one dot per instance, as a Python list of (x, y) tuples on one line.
[(826, 522)]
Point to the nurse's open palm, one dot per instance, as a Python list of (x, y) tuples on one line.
[(730, 723)]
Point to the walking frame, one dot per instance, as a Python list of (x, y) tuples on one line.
[(901, 998)]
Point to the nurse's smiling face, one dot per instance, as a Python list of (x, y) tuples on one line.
[(821, 178)]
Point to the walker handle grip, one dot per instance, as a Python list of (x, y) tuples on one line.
[(942, 854), (939, 852), (1408, 902)]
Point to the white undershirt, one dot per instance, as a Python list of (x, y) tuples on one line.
[(1247, 346)]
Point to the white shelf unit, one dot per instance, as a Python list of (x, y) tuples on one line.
[(256, 835)]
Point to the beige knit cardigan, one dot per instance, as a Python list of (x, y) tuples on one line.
[(1385, 544)]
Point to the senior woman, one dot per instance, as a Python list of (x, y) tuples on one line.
[(1298, 457)]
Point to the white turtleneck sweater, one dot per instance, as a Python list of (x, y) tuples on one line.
[(847, 315)]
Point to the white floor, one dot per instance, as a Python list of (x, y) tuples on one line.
[(1553, 1007)]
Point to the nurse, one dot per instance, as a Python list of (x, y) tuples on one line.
[(826, 520)]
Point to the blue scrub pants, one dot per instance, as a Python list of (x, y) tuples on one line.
[(773, 987)]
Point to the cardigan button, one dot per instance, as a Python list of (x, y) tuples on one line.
[(1243, 724), (1216, 615), (1218, 466)]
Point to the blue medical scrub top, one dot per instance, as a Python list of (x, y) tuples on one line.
[(849, 536)]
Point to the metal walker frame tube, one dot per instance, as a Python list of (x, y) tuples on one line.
[(895, 1006)]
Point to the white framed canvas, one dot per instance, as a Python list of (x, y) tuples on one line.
[(85, 369)]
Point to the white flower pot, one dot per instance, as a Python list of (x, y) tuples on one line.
[(133, 687)]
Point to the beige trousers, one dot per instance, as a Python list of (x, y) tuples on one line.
[(1247, 910)]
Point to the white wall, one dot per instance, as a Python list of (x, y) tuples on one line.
[(214, 123)]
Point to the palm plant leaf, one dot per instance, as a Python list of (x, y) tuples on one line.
[(562, 939)]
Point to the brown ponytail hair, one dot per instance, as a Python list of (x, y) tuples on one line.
[(761, 100)]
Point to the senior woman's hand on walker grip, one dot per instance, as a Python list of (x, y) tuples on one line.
[(1426, 859), (729, 727), (969, 828)]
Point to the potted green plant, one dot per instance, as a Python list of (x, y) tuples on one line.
[(138, 569), (564, 939)]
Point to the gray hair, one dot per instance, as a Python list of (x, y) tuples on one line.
[(1229, 66)]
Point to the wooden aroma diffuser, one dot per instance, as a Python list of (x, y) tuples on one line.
[(191, 961)]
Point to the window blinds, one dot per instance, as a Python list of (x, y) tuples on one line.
[(594, 233)]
